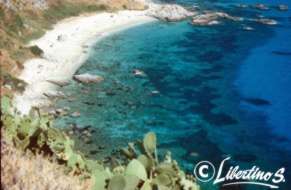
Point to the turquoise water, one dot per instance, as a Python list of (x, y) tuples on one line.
[(222, 91)]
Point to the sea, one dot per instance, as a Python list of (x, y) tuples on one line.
[(208, 92)]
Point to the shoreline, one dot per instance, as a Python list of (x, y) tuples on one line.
[(65, 49)]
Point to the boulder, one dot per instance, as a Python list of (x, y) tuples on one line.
[(170, 12), (283, 7), (137, 72), (61, 112), (241, 5), (61, 38), (54, 94), (248, 28), (261, 6), (76, 114), (88, 78), (59, 82), (266, 21)]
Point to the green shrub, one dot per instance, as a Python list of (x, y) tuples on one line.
[(15, 83), (36, 50), (1, 13)]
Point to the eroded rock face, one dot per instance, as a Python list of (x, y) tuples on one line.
[(170, 12), (212, 18), (88, 78)]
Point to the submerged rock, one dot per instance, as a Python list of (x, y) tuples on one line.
[(71, 132), (261, 6), (155, 92), (211, 18), (242, 5), (137, 72), (257, 101), (61, 112), (54, 94), (283, 53), (59, 82), (76, 114), (88, 141), (93, 152), (283, 7), (248, 28), (110, 93), (266, 21), (88, 78), (170, 12), (89, 103)]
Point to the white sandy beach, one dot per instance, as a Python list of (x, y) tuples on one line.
[(63, 57)]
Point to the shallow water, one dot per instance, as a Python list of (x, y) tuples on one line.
[(222, 91)]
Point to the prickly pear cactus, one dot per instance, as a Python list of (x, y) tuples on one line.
[(143, 171), (150, 144), (165, 175)]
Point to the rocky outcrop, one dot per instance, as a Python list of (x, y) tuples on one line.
[(283, 7), (88, 78), (266, 21), (212, 18), (59, 82), (261, 6), (170, 12), (61, 38), (54, 94), (248, 28)]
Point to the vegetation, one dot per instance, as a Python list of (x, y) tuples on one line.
[(64, 10), (33, 172), (36, 50), (34, 154), (141, 168)]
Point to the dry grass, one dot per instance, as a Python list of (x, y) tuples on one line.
[(28, 172)]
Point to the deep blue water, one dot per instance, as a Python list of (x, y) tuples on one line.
[(223, 91)]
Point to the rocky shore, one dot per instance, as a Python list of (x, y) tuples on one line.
[(170, 12), (56, 67)]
